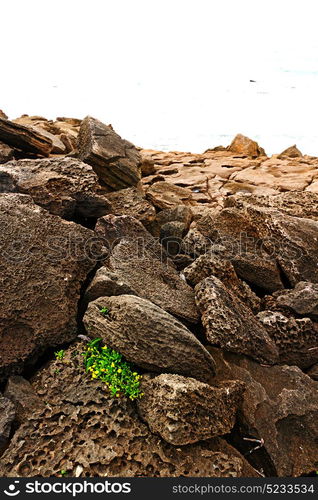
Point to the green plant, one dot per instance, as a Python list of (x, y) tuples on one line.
[(109, 366), (60, 354), (63, 472), (104, 311)]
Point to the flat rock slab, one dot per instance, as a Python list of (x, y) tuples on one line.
[(25, 138), (183, 410), (231, 325), (44, 262), (65, 186), (148, 336), (115, 160)]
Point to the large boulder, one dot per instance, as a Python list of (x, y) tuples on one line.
[(115, 160), (280, 410), (132, 201), (65, 186), (296, 339), (242, 145), (44, 262), (148, 336), (231, 325), (301, 300), (88, 433), (183, 410), (27, 139)]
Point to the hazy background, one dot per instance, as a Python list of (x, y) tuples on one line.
[(167, 74)]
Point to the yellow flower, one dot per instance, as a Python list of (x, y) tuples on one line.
[(119, 370), (113, 365), (117, 395), (104, 347), (135, 373)]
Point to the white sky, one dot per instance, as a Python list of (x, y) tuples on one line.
[(167, 72)]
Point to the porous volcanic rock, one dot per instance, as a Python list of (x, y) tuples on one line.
[(106, 283), (301, 300), (7, 415), (44, 262), (183, 411), (24, 397), (115, 160), (210, 264), (87, 433), (180, 213), (27, 139), (164, 195), (296, 339), (132, 201), (280, 406), (65, 186), (229, 324), (148, 336), (242, 145)]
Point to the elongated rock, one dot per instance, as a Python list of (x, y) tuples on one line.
[(148, 336), (115, 160), (25, 138)]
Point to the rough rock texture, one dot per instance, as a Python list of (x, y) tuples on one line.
[(86, 433), (183, 411), (148, 336), (242, 145), (164, 195), (301, 300), (296, 339), (24, 397), (211, 265), (106, 283), (132, 201), (180, 213), (229, 324), (66, 187), (6, 153), (152, 279), (241, 243), (115, 160), (280, 406), (25, 138), (7, 414), (44, 262)]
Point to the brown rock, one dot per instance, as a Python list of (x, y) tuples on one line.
[(301, 300), (3, 115), (25, 399), (180, 213), (244, 146), (153, 279), (280, 406), (132, 201), (296, 339), (44, 262), (115, 160), (27, 139), (183, 411), (66, 187), (211, 265), (164, 195), (229, 324), (6, 153), (106, 284), (7, 414), (148, 336), (90, 434), (291, 152)]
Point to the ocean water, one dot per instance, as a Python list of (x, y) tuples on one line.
[(169, 75)]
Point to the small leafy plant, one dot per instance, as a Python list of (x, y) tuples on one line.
[(60, 354), (104, 311), (109, 366)]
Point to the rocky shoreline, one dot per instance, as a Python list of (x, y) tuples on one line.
[(201, 270)]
